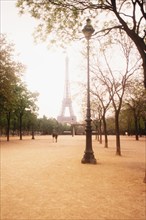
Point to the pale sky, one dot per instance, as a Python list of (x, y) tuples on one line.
[(45, 69)]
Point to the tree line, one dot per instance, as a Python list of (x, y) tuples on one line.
[(117, 89), (18, 108)]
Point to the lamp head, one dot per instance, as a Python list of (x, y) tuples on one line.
[(88, 30)]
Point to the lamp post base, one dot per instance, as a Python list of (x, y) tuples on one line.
[(89, 158)]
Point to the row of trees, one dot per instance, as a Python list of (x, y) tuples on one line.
[(15, 99), (18, 109), (117, 87)]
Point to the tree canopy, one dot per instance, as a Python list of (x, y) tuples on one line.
[(61, 21), (10, 72)]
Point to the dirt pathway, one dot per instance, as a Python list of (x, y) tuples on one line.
[(41, 180)]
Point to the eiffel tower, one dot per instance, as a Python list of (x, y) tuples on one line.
[(67, 102)]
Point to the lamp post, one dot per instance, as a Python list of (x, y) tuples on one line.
[(88, 157)]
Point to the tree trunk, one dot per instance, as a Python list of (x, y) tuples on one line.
[(96, 129), (14, 127), (33, 132), (105, 132), (139, 43), (8, 125), (20, 125), (97, 133), (139, 128), (100, 132), (144, 180), (136, 127), (117, 129)]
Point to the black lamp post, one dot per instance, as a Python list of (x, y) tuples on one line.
[(88, 157)]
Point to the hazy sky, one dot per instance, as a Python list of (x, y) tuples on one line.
[(45, 68)]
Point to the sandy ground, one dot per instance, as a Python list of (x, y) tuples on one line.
[(41, 180)]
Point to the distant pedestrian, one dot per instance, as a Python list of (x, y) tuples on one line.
[(126, 133), (55, 135)]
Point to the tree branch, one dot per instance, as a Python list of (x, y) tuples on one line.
[(108, 30)]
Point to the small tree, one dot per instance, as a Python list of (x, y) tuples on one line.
[(25, 101), (97, 114), (100, 93)]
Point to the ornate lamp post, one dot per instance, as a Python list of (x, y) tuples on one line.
[(88, 157)]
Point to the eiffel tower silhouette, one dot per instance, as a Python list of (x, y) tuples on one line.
[(67, 102)]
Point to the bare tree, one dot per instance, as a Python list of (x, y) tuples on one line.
[(97, 112), (116, 84), (101, 94)]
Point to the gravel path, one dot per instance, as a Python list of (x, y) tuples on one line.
[(42, 180)]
